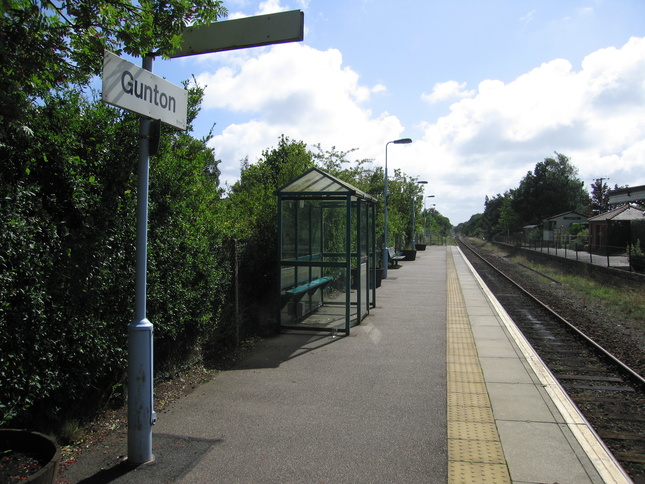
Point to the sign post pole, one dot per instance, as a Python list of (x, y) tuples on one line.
[(141, 416), (139, 91)]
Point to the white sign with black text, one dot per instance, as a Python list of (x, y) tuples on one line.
[(130, 87)]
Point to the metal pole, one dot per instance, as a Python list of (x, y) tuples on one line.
[(385, 257), (141, 416), (401, 141), (425, 216), (412, 240)]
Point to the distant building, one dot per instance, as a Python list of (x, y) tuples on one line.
[(612, 231), (560, 224), (526, 231)]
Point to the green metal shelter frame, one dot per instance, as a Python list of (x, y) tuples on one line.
[(327, 257)]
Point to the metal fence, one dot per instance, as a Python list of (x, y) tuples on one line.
[(577, 248)]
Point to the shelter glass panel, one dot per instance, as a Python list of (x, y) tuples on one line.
[(324, 236)]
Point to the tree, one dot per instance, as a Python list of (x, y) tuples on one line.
[(492, 214), (599, 196), (67, 244), (50, 45), (252, 211), (438, 224), (474, 227), (552, 188)]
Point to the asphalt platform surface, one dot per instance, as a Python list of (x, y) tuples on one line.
[(311, 408)]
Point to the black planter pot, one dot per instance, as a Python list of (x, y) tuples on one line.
[(420, 246), (409, 254), (35, 445), (379, 276)]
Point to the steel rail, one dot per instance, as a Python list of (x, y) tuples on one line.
[(607, 354)]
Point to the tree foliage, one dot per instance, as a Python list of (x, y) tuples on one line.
[(551, 188), (49, 45), (474, 227), (68, 202), (599, 196), (252, 214)]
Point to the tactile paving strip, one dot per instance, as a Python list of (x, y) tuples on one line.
[(475, 453)]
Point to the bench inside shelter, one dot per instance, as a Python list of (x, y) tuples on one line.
[(300, 286)]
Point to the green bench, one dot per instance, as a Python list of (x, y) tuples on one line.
[(308, 288), (298, 292)]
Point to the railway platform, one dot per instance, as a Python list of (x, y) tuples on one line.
[(435, 386)]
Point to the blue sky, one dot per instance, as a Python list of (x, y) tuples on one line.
[(486, 89)]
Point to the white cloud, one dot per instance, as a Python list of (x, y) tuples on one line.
[(298, 91), (529, 16), (595, 115), (487, 141), (446, 91), (270, 6)]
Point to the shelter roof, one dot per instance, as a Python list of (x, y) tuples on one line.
[(319, 183), (623, 213)]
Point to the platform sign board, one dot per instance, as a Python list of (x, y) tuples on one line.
[(273, 28), (134, 89)]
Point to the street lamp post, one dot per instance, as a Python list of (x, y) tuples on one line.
[(413, 239), (431, 209), (401, 141), (425, 216)]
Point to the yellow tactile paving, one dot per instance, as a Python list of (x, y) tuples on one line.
[(469, 472), (471, 399), (483, 451), (471, 431), (466, 387), (475, 453)]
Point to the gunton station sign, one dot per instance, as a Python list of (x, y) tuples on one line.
[(130, 87)]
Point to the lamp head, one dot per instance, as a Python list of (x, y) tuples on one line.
[(402, 141)]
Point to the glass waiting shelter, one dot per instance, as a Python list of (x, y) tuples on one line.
[(327, 256)]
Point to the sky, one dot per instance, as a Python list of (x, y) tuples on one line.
[(486, 89)]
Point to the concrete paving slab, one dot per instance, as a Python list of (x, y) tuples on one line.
[(545, 457), (505, 370), (517, 401)]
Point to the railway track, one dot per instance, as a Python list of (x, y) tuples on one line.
[(608, 393)]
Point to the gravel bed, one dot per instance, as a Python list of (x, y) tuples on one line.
[(620, 334)]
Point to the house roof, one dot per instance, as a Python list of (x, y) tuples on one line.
[(565, 213), (626, 212)]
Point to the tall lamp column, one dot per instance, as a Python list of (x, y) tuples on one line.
[(413, 240), (401, 141), (425, 216)]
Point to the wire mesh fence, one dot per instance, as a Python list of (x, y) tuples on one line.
[(628, 257)]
